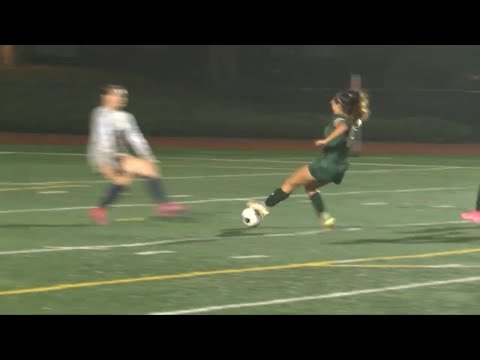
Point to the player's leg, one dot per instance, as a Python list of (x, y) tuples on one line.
[(154, 182), (478, 200), (118, 181), (474, 215), (317, 202), (324, 172), (299, 177)]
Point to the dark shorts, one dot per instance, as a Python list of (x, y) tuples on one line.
[(327, 172)]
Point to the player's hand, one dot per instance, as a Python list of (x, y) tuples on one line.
[(320, 143)]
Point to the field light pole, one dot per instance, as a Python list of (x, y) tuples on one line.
[(356, 84), (7, 55)]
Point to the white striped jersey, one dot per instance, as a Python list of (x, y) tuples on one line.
[(111, 131)]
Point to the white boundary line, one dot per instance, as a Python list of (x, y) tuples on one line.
[(320, 297), (66, 182), (155, 252), (52, 192), (39, 153), (237, 199), (47, 249), (234, 199), (239, 160), (146, 244), (53, 182)]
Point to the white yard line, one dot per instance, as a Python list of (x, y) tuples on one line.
[(54, 182), (51, 192), (211, 238), (236, 160), (320, 297), (238, 199), (155, 252), (66, 182)]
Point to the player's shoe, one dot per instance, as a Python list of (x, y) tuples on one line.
[(259, 207), (327, 221), (472, 216), (169, 209), (99, 216)]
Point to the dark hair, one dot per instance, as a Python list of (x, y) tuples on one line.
[(106, 89), (355, 104)]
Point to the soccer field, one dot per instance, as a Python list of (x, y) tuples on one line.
[(399, 247)]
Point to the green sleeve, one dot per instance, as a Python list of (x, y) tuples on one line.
[(340, 137)]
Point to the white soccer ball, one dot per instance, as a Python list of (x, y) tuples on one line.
[(251, 218)]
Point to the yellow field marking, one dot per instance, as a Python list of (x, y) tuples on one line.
[(44, 187), (131, 219), (188, 275), (404, 266)]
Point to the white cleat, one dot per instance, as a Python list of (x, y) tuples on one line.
[(327, 221), (259, 207)]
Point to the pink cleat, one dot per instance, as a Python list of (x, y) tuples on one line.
[(169, 209), (472, 216), (99, 215)]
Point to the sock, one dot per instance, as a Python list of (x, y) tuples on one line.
[(277, 196), (111, 195), (157, 190), (478, 200), (317, 203)]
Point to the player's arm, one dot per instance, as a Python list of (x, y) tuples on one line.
[(340, 129), (137, 141), (353, 134)]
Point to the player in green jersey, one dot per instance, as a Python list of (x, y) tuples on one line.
[(350, 109)]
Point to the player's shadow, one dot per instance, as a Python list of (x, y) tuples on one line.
[(437, 229), (289, 228), (239, 232), (438, 234), (245, 231)]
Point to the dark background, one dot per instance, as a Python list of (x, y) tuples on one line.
[(421, 93)]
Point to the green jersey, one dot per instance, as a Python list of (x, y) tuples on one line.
[(336, 150), (332, 162)]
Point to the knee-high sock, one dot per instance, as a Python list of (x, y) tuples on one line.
[(276, 197)]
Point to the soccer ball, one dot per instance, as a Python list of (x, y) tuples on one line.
[(251, 218)]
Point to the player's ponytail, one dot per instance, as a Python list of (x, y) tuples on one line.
[(363, 112)]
